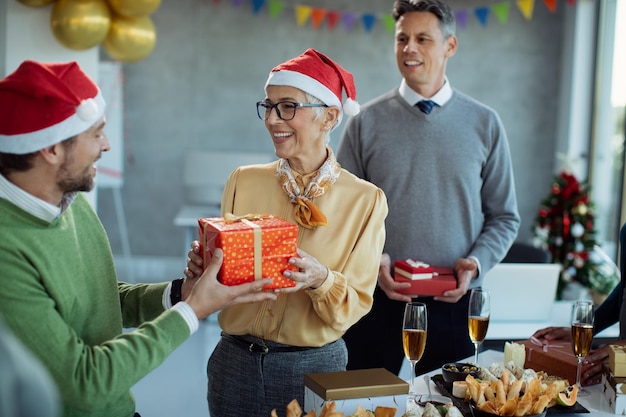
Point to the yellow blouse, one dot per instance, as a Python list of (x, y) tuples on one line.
[(350, 246)]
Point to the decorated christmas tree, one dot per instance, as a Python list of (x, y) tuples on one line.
[(565, 226)]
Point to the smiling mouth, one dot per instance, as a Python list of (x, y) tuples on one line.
[(282, 135)]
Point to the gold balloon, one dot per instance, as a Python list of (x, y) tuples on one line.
[(80, 24), (130, 39), (36, 3), (134, 8)]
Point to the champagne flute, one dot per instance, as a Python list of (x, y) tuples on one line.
[(582, 335), (478, 318), (414, 337)]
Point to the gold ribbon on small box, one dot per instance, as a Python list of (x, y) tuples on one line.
[(257, 231)]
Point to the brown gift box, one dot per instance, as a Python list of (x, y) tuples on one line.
[(555, 359), (255, 246)]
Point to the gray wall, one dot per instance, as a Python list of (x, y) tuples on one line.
[(198, 88)]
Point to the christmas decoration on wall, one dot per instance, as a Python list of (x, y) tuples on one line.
[(123, 27), (304, 13), (565, 225)]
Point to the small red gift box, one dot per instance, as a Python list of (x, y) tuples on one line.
[(442, 279), (555, 358), (255, 247)]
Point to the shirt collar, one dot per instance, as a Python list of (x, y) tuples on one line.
[(440, 98), (31, 204)]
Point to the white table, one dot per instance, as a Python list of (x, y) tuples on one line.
[(595, 403), (519, 330)]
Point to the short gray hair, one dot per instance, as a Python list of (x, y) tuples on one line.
[(318, 111)]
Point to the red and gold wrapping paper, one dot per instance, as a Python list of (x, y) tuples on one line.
[(255, 247)]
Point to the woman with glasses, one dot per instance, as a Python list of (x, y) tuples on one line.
[(266, 348)]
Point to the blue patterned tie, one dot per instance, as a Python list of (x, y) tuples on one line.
[(425, 106)]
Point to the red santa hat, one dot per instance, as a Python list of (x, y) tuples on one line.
[(318, 75), (44, 104)]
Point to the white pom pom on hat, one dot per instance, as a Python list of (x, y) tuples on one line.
[(320, 76), (46, 103), (351, 107)]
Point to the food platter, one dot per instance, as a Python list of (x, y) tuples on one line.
[(446, 389), (476, 412)]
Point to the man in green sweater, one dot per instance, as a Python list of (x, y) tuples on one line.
[(59, 292)]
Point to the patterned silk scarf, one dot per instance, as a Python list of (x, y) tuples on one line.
[(308, 215)]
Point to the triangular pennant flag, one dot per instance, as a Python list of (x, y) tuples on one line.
[(237, 3), (368, 21), (526, 7), (461, 18), (275, 7), (389, 22), (348, 20), (501, 10), (302, 14), (317, 17), (482, 14), (257, 5), (551, 5), (332, 17)]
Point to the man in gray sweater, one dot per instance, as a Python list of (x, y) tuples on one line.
[(445, 167)]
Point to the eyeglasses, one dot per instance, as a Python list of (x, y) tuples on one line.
[(285, 110)]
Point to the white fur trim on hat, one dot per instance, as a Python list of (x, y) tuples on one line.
[(88, 112), (308, 85)]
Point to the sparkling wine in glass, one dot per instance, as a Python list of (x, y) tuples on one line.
[(478, 318), (582, 335), (414, 337)]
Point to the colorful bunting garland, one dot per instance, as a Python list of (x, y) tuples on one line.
[(318, 16)]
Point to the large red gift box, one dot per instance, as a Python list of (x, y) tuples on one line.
[(555, 358), (441, 281), (255, 247)]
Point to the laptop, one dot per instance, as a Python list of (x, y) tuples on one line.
[(522, 291)]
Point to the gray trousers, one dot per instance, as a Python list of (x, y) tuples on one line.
[(251, 377)]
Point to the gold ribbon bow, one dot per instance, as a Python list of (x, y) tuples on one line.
[(231, 218)]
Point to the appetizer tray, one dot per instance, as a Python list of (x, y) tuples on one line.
[(463, 406)]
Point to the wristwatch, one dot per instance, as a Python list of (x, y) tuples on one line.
[(177, 290)]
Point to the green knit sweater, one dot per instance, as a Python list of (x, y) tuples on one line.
[(60, 296)]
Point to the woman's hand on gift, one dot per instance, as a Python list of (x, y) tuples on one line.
[(311, 274), (194, 261), (388, 284), (194, 269), (208, 295)]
